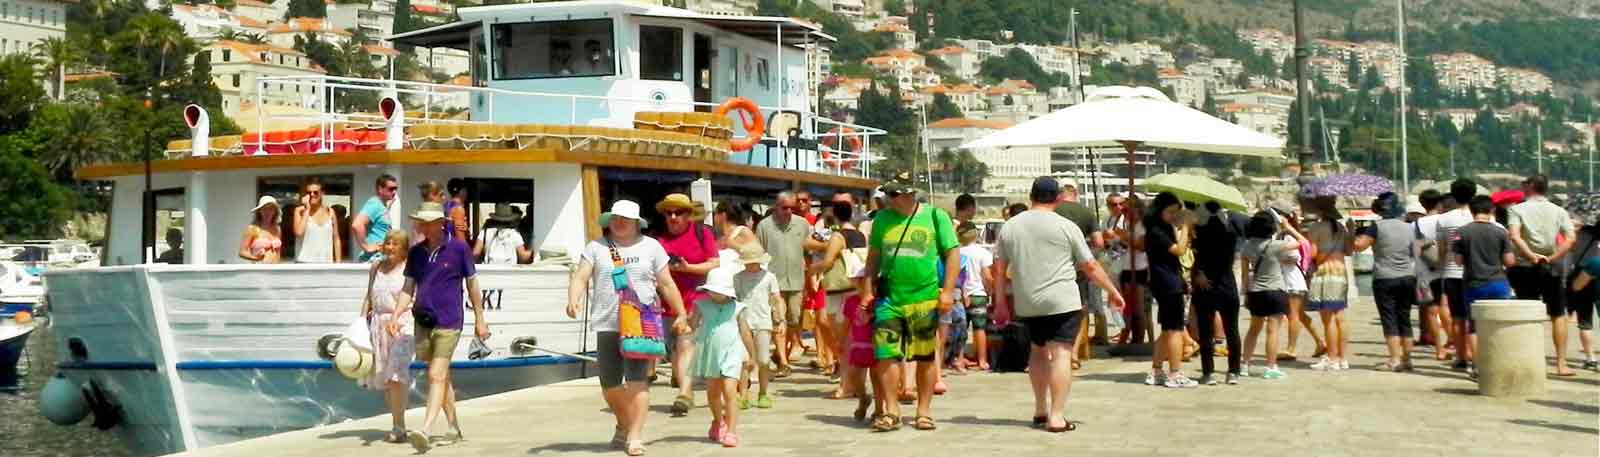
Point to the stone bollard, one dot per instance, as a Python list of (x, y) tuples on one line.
[(1511, 341)]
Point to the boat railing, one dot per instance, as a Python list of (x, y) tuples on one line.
[(818, 144)]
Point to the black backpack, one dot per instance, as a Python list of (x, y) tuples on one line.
[(1013, 356)]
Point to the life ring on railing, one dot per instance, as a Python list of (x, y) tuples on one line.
[(754, 126), (831, 140)]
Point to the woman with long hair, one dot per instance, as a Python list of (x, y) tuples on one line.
[(1294, 278), (262, 241), (316, 227), (1329, 285), (1128, 226)]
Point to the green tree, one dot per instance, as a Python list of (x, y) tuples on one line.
[(1018, 64), (20, 92), (40, 207), (78, 135), (402, 21), (311, 8), (942, 108), (57, 53), (240, 36), (1352, 71)]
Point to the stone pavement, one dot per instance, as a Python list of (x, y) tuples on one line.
[(1432, 412)]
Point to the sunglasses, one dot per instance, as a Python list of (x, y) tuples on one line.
[(314, 192), (391, 188), (676, 213)]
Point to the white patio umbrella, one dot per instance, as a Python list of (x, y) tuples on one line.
[(1131, 117)]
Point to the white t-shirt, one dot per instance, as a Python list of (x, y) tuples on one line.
[(643, 260), (500, 245), (755, 290), (1427, 227), (975, 259), (1449, 231)]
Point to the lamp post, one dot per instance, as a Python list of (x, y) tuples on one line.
[(1302, 53), (147, 224)]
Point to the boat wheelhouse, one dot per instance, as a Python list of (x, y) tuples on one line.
[(572, 105)]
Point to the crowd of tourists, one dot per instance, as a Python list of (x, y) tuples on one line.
[(893, 292)]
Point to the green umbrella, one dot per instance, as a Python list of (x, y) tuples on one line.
[(1198, 189)]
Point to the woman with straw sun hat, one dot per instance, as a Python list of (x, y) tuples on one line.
[(263, 239), (692, 253)]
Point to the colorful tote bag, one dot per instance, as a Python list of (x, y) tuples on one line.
[(638, 323)]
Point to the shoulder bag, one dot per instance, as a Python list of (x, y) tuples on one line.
[(638, 323), (880, 284)]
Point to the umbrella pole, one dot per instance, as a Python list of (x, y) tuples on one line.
[(1132, 146)]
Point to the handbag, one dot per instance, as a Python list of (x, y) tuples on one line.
[(638, 323), (848, 265)]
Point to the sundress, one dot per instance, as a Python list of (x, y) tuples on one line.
[(719, 351), (392, 354)]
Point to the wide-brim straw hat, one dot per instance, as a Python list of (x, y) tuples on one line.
[(502, 213), (428, 212), (675, 201), (753, 253)]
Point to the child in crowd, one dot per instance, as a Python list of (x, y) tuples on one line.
[(757, 289), (1484, 250), (724, 345), (977, 261)]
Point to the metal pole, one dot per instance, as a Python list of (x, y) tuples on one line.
[(1538, 148), (1302, 53), (927, 153), (1405, 157), (147, 223)]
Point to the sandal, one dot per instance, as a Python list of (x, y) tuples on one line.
[(635, 448), (886, 423), (681, 405), (838, 394), (418, 441), (730, 439), (1039, 421), (396, 436), (861, 407), (619, 439), (924, 423), (1065, 428)]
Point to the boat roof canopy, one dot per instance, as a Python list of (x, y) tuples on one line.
[(456, 35)]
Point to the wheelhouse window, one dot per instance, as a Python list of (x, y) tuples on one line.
[(660, 53), (556, 49)]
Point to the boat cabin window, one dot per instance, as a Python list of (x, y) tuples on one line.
[(660, 53), (555, 49), (169, 217), (501, 211)]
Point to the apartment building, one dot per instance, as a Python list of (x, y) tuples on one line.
[(1011, 170)]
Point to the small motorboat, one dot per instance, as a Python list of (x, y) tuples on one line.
[(20, 291), (13, 339)]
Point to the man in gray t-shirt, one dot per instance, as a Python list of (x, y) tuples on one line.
[(1043, 253)]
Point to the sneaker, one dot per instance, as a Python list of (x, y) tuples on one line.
[(1344, 364), (764, 401), (744, 402), (1208, 380), (1273, 373), (1154, 378), (1591, 365), (1472, 371), (1459, 365), (418, 441), (1325, 364), (1244, 369), (1233, 379), (1179, 381)]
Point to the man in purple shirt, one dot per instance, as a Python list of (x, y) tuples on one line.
[(435, 272)]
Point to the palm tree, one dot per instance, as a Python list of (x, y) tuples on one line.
[(57, 53), (144, 30), (241, 36), (87, 138), (169, 39)]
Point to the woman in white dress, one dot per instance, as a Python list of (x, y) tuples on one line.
[(388, 312), (314, 227)]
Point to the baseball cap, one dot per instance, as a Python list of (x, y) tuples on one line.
[(899, 185), (1045, 189)]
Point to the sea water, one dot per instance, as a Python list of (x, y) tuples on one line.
[(26, 433)]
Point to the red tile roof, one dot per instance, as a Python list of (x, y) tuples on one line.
[(961, 123)]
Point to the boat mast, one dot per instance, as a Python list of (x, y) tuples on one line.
[(1405, 158)]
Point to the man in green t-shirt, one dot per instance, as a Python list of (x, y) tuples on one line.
[(908, 245)]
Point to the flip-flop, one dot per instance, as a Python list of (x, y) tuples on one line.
[(1065, 428), (1565, 375)]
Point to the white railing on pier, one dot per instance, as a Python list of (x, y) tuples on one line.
[(436, 101)]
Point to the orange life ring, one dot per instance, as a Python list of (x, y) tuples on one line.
[(831, 140), (754, 125)]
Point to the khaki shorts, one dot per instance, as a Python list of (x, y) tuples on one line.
[(435, 343), (789, 314)]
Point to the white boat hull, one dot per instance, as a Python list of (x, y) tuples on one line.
[(198, 356)]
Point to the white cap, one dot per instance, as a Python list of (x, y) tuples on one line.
[(1414, 205), (720, 281), (625, 208)]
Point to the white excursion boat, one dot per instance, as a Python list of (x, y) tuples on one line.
[(181, 356)]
